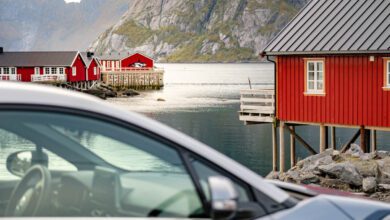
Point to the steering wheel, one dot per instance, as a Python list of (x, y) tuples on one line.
[(30, 196)]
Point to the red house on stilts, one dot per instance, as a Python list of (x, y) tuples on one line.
[(332, 69)]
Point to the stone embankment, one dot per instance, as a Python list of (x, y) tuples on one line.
[(352, 171), (104, 91)]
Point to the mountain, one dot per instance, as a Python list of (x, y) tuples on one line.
[(55, 25), (198, 30)]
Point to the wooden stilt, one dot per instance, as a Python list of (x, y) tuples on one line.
[(326, 138), (333, 137), (364, 139), (292, 148), (322, 138), (303, 142), (373, 140), (281, 147), (274, 149)]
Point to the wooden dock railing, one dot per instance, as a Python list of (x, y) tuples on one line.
[(257, 106)]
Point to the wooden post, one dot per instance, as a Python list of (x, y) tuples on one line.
[(322, 138), (292, 147), (364, 139), (281, 147), (274, 149), (373, 140), (333, 137)]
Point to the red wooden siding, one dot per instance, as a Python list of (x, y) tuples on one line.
[(80, 71), (137, 57), (26, 72), (91, 75), (353, 87)]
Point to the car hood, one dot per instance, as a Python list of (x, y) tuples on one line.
[(361, 209)]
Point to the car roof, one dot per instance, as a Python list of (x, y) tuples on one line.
[(33, 94)]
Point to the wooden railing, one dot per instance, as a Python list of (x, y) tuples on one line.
[(131, 69), (257, 105), (11, 77), (45, 78)]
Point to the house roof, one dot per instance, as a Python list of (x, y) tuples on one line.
[(87, 60), (114, 56), (336, 27), (36, 59)]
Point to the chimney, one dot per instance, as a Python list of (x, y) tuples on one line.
[(90, 54), (1, 50)]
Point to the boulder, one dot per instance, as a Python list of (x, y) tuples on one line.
[(130, 92), (384, 187), (354, 151), (366, 168), (346, 172), (369, 184), (311, 163), (384, 167), (161, 100), (382, 154)]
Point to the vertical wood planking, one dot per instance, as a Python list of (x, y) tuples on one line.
[(354, 94)]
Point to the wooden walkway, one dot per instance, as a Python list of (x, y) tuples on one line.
[(134, 78)]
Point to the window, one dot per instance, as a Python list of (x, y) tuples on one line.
[(94, 71), (314, 76), (117, 64), (36, 71), (74, 73), (13, 70), (47, 70), (204, 171), (6, 70), (387, 73), (53, 71), (153, 177), (61, 70)]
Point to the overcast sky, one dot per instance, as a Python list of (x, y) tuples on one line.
[(67, 1)]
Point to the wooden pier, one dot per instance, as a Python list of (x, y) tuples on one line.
[(134, 78)]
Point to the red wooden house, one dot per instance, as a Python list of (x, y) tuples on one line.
[(332, 68), (42, 66), (91, 65), (124, 60)]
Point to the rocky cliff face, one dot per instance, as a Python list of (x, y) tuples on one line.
[(55, 25), (198, 30)]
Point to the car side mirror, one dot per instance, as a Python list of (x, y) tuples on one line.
[(223, 198), (19, 162)]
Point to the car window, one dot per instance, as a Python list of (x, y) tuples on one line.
[(153, 179), (205, 170), (11, 143)]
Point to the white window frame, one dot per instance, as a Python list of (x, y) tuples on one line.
[(315, 81), (95, 71), (46, 71), (12, 71), (37, 71), (74, 71), (53, 71), (61, 70)]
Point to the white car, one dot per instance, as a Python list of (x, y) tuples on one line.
[(68, 154)]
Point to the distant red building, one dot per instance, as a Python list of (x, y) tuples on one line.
[(42, 66), (92, 66), (124, 60)]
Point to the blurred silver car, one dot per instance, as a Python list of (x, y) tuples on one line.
[(68, 154)]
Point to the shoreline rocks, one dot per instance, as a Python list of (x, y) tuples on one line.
[(352, 171)]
